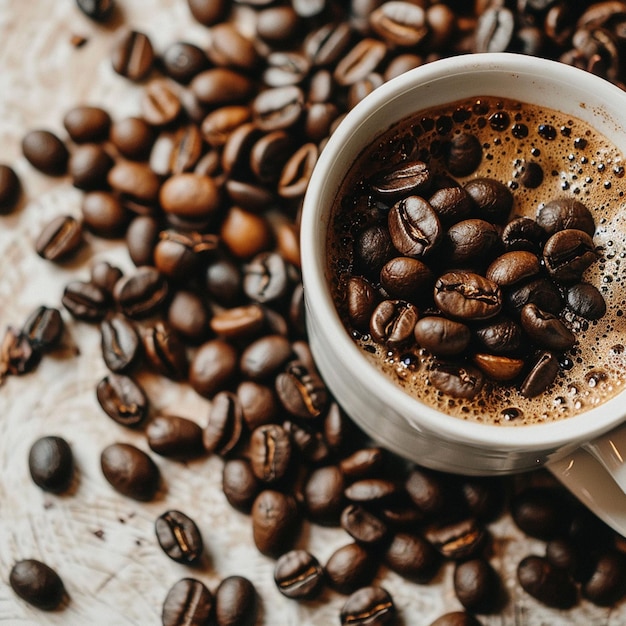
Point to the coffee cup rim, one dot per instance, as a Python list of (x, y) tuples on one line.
[(314, 222)]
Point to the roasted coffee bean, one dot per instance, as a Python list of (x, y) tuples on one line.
[(372, 249), (463, 154), (229, 47), (607, 581), (174, 436), (187, 602), (182, 61), (179, 537), (363, 463), (523, 233), (406, 278), (86, 124), (225, 424), (278, 107), (59, 239), (45, 152), (360, 61), (467, 296), (362, 299), (213, 366), (221, 85), (104, 214), (484, 497), (10, 188), (245, 234), (428, 490), (37, 583), (165, 351), (17, 355), (51, 463), (540, 512), (239, 484), (393, 322), (363, 525), (324, 45), (451, 204), (456, 618), (498, 367), (141, 293), (501, 335), (565, 213), (412, 178), (275, 522), (285, 68), (189, 195), (350, 567), (298, 575), (513, 267), (585, 300), (136, 182), (412, 556), (264, 357), (122, 399), (186, 150), (133, 137), (159, 104), (368, 605), (219, 123), (236, 602), (459, 540), (456, 380), (539, 291), (441, 336), (97, 10), (399, 23), (270, 452), (567, 254), (543, 373), (44, 327), (469, 241), (494, 30), (130, 471), (85, 301), (265, 278), (324, 494), (223, 280), (278, 24), (142, 236), (120, 343), (133, 55), (546, 583), (477, 585), (188, 316), (301, 391), (493, 199), (545, 329), (566, 554)]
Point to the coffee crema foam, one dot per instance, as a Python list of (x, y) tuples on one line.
[(577, 162)]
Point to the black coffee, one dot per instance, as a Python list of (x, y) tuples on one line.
[(475, 256)]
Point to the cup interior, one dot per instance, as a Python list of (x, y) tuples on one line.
[(527, 79)]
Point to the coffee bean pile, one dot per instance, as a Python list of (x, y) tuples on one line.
[(205, 185)]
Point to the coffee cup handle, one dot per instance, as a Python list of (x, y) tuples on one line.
[(610, 451)]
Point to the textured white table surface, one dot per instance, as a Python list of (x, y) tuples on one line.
[(103, 544)]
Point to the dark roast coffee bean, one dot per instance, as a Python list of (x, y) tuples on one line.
[(297, 171), (97, 10), (441, 336), (189, 195), (223, 280), (393, 322), (467, 296), (229, 47), (264, 357), (278, 24), (565, 213), (10, 188), (607, 582), (362, 299), (500, 335), (451, 204), (235, 602), (165, 351), (274, 522), (498, 367), (187, 602), (360, 61), (122, 399), (213, 365), (459, 540), (325, 44), (37, 583), (513, 267), (585, 300), (278, 108), (159, 103), (120, 343), (130, 471), (221, 85), (85, 301), (494, 30), (427, 490), (298, 575), (182, 61), (542, 374), (323, 494), (59, 239), (104, 214), (406, 278), (225, 423), (45, 152), (141, 293), (133, 56), (301, 391), (309, 442), (270, 452), (51, 463), (239, 484), (85, 124), (412, 556), (477, 585), (402, 181), (350, 567), (566, 554), (540, 512), (401, 24), (265, 278), (179, 537), (258, 403), (567, 254), (188, 316), (469, 241), (493, 199), (372, 249), (463, 154), (484, 497), (546, 583), (456, 380), (17, 355), (523, 233), (285, 68), (174, 436), (219, 123), (142, 236), (368, 605), (44, 327), (363, 463), (105, 275), (175, 254), (545, 329), (136, 182), (456, 618), (362, 525), (133, 137), (539, 291)]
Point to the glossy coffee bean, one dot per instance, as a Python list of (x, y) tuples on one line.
[(412, 556), (136, 182), (406, 278), (120, 343), (586, 300), (539, 291), (442, 336), (275, 522), (44, 327), (45, 152), (368, 605), (37, 583), (165, 351), (467, 296), (174, 436), (324, 494), (350, 567), (130, 471), (224, 427), (10, 188), (265, 356), (278, 108), (501, 335), (567, 254), (540, 512), (523, 233), (469, 241), (87, 124), (270, 452), (451, 204), (456, 380), (363, 526), (477, 585), (546, 583), (393, 322), (513, 267), (236, 602), (182, 61), (564, 213), (546, 330), (188, 316), (88, 166), (179, 537), (133, 55), (463, 154), (104, 214), (498, 367), (85, 301), (160, 104), (122, 399), (402, 181), (51, 463), (221, 85), (60, 238), (493, 199), (458, 540), (141, 293), (543, 373), (605, 586), (189, 195), (362, 299), (213, 366), (239, 484), (414, 227), (133, 137), (188, 601), (229, 47), (401, 24), (298, 575), (301, 391)]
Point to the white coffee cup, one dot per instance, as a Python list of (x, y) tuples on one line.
[(591, 444)]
